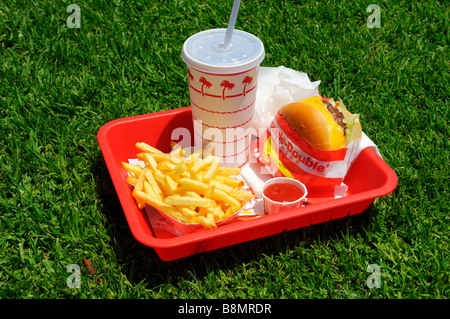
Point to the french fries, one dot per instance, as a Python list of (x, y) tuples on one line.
[(191, 188)]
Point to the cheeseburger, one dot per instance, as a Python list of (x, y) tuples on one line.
[(325, 123)]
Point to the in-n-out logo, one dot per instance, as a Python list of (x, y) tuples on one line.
[(295, 154), (74, 20)]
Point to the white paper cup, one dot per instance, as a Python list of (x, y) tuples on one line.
[(222, 89), (273, 207)]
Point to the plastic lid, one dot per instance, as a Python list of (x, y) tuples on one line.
[(204, 51)]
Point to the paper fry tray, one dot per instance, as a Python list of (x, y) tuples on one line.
[(369, 177)]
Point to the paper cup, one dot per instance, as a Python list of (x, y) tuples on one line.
[(272, 207), (222, 89)]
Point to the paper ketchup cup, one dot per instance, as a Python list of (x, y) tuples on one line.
[(222, 89), (283, 193)]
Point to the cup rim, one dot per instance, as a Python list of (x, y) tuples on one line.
[(249, 64), (291, 181)]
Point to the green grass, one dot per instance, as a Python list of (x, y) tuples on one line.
[(58, 86)]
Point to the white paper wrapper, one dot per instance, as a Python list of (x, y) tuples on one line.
[(278, 86)]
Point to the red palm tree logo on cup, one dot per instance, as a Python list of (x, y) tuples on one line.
[(226, 86), (247, 80), (204, 83), (190, 75)]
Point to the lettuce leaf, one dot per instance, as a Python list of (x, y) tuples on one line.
[(353, 129)]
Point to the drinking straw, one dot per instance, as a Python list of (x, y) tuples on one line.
[(231, 23)]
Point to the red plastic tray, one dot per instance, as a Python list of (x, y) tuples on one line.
[(369, 177)]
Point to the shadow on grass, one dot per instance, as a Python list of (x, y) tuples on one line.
[(142, 264)]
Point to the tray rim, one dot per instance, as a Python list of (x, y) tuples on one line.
[(143, 237)]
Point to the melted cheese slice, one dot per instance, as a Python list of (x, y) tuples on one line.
[(337, 134)]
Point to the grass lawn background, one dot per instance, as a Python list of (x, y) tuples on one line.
[(59, 85)]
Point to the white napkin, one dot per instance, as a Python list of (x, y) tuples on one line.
[(278, 86)]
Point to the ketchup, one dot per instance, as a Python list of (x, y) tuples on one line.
[(283, 192)]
